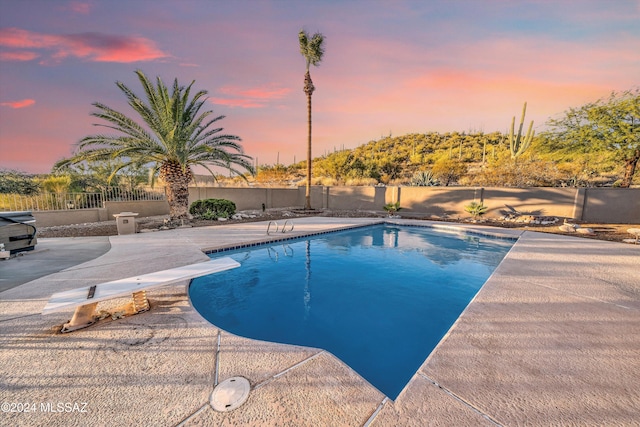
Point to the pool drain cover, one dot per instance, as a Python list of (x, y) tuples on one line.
[(230, 394)]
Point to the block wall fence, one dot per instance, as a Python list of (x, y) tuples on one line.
[(606, 205), (612, 205)]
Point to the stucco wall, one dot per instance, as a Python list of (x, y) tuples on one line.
[(589, 204), (143, 208), (79, 216), (67, 217), (530, 201), (250, 198), (438, 201), (612, 205), (244, 198), (285, 197), (604, 204), (363, 198)]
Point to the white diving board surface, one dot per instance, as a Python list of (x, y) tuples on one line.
[(123, 287)]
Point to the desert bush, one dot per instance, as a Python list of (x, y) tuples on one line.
[(527, 171), (448, 171), (212, 208), (361, 182), (327, 181)]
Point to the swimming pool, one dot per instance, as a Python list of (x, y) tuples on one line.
[(380, 297)]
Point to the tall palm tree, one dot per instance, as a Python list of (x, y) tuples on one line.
[(312, 49), (177, 136)]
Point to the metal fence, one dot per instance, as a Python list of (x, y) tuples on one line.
[(65, 201)]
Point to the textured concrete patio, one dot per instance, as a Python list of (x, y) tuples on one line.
[(551, 339)]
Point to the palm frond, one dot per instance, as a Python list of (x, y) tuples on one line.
[(172, 132), (311, 48)]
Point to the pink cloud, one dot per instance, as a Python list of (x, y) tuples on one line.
[(256, 93), (17, 38), (456, 85), (107, 48), (242, 103), (250, 97), (95, 47), (543, 58), (18, 104), (79, 7), (18, 56)]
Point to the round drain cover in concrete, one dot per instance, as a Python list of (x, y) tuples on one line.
[(230, 394)]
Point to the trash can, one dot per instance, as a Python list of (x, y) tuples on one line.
[(17, 231), (126, 222)]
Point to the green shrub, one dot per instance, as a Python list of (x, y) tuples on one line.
[(392, 207), (423, 179), (476, 209), (212, 208)]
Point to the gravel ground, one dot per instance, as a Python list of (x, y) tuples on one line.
[(611, 232)]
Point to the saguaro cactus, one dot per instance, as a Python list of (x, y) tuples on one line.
[(517, 144)]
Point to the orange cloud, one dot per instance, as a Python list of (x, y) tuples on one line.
[(18, 104), (95, 47), (250, 97)]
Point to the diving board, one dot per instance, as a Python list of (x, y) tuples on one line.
[(86, 299)]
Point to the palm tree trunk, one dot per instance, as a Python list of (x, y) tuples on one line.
[(307, 196), (308, 89), (176, 182)]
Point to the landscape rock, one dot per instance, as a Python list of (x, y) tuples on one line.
[(567, 228), (634, 231), (529, 219), (587, 231)]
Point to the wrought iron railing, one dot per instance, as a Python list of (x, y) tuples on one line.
[(64, 201)]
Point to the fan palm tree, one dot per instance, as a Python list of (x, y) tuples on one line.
[(177, 136), (312, 49)]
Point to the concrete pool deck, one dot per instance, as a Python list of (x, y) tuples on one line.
[(553, 338)]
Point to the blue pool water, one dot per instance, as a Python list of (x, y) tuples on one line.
[(380, 298)]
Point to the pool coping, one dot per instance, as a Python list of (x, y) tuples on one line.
[(541, 278)]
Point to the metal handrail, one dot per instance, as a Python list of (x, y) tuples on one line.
[(269, 226), (285, 225)]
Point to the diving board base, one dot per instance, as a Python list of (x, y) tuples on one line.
[(84, 316), (87, 315)]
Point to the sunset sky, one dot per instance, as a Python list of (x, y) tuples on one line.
[(390, 67)]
